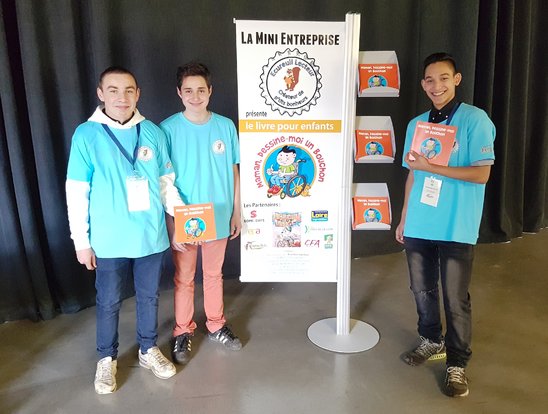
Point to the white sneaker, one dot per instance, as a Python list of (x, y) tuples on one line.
[(105, 376), (157, 362)]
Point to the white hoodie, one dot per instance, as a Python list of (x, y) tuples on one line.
[(78, 191)]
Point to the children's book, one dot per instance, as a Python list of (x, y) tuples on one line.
[(379, 74), (195, 222), (373, 142), (371, 212), (434, 141)]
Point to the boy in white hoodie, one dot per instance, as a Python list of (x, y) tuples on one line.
[(119, 181)]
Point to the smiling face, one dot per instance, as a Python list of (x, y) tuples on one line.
[(286, 158), (194, 94), (440, 82), (119, 93)]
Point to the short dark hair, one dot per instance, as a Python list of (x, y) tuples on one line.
[(117, 70), (439, 57), (287, 149), (193, 69)]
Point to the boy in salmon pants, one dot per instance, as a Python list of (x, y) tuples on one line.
[(204, 150)]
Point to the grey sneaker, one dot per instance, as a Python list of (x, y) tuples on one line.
[(226, 337), (456, 383), (182, 346), (105, 376), (157, 362), (427, 350)]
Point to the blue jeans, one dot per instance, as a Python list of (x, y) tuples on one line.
[(451, 262), (110, 275)]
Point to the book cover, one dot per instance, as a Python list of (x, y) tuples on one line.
[(434, 141), (195, 222), (373, 142), (371, 212), (378, 75)]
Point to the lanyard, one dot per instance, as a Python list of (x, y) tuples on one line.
[(450, 117), (122, 150)]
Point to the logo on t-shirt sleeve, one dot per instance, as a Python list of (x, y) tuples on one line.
[(487, 149)]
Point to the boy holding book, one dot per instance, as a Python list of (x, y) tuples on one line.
[(440, 221), (204, 149)]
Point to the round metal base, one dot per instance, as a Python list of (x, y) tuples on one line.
[(362, 336)]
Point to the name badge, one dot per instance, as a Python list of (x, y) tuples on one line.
[(138, 196), (431, 191)]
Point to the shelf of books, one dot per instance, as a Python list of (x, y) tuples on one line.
[(374, 140), (371, 207), (379, 74)]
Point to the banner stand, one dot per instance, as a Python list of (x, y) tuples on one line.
[(361, 336), (342, 334)]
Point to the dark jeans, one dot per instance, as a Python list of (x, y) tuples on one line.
[(110, 275), (429, 261)]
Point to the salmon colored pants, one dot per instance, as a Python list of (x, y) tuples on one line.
[(213, 256)]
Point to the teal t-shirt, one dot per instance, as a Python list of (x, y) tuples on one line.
[(114, 230), (203, 157), (458, 213)]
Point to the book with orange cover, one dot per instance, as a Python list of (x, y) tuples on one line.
[(373, 142), (195, 222), (434, 141), (378, 75), (371, 211)]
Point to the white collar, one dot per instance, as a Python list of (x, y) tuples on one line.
[(100, 117)]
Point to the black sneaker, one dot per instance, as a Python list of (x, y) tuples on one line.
[(456, 383), (181, 347), (227, 338), (427, 350)]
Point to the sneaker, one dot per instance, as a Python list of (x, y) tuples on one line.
[(456, 383), (227, 338), (105, 376), (427, 350), (157, 362), (182, 345)]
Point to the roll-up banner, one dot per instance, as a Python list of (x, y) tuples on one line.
[(290, 104)]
